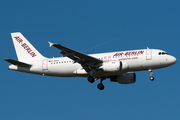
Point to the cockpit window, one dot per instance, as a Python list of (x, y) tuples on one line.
[(163, 53)]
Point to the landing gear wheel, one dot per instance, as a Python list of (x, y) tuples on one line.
[(91, 79), (100, 86), (150, 73), (151, 78)]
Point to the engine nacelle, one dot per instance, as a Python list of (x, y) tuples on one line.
[(114, 66), (126, 78)]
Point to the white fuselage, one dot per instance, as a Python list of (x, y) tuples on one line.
[(117, 66), (136, 60)]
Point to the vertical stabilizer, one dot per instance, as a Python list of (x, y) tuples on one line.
[(24, 50)]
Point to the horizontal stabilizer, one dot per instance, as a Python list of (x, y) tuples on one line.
[(14, 62)]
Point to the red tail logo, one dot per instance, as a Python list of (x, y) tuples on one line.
[(25, 46)]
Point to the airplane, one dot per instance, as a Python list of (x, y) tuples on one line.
[(117, 66)]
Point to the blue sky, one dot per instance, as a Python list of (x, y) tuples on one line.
[(90, 27)]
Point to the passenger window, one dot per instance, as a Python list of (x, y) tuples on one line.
[(159, 53)]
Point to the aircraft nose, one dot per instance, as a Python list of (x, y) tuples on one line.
[(173, 60)]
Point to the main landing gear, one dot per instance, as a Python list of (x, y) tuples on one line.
[(91, 79), (100, 86), (150, 73)]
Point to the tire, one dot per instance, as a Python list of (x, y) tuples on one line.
[(151, 78), (100, 86), (91, 79)]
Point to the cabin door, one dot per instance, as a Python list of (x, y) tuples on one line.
[(148, 54), (45, 64)]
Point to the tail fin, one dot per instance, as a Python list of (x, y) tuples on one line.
[(24, 50)]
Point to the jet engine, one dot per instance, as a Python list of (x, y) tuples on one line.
[(114, 66), (126, 78)]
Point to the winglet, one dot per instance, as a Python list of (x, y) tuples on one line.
[(50, 44)]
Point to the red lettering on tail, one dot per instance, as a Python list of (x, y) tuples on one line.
[(18, 39), (25, 46)]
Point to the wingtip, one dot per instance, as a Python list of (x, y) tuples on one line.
[(50, 44), (6, 59)]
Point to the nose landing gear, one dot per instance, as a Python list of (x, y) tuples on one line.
[(150, 73), (151, 78)]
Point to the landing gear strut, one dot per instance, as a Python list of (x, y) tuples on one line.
[(150, 73), (91, 79)]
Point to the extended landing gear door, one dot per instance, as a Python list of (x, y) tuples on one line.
[(45, 64), (148, 54)]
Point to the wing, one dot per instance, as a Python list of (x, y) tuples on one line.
[(86, 61)]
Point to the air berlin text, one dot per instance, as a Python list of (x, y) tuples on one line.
[(25, 46), (129, 53)]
